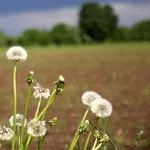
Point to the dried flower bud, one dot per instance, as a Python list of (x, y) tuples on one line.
[(59, 84), (31, 79), (52, 122), (83, 127)]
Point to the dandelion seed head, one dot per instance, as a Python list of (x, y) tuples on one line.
[(89, 96), (36, 128), (40, 92), (16, 53), (19, 120), (101, 107), (6, 133)]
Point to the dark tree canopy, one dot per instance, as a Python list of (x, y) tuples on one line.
[(96, 21), (92, 21), (111, 19)]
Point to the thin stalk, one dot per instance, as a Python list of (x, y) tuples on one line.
[(104, 130), (94, 145), (1, 144), (25, 114), (49, 102), (18, 129), (38, 107), (89, 135), (96, 148), (42, 114), (76, 134), (14, 106), (116, 148)]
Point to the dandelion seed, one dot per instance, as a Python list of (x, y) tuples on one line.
[(6, 133), (19, 120), (36, 128), (16, 53), (89, 96), (41, 92), (101, 107)]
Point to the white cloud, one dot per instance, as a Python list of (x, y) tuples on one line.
[(16, 23), (129, 13)]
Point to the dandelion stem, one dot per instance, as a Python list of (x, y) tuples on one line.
[(73, 143), (1, 144), (96, 148), (89, 135), (25, 114), (38, 107), (94, 145), (14, 106), (49, 102), (18, 129), (104, 130)]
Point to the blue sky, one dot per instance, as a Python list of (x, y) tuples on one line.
[(17, 15)]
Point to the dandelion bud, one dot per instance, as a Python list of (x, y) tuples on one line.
[(105, 138), (83, 127), (59, 84), (52, 122), (31, 79), (61, 78), (97, 134)]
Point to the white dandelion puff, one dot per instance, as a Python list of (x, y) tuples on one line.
[(40, 92), (101, 108), (16, 53), (89, 96), (19, 120), (6, 133), (36, 128)]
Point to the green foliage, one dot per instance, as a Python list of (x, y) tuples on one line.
[(92, 21), (121, 34), (141, 31), (64, 34), (111, 19)]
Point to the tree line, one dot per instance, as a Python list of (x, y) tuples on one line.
[(97, 23)]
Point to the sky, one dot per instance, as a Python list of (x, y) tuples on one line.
[(17, 15)]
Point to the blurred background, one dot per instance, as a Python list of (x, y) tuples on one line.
[(73, 22), (102, 45)]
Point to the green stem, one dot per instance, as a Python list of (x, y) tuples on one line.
[(14, 106), (89, 135), (98, 146), (38, 107), (104, 130), (42, 114), (94, 145), (77, 134), (116, 148), (49, 102), (1, 144), (18, 129), (25, 114)]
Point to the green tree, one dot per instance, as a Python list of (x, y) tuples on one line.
[(92, 21), (64, 34), (29, 37), (141, 31), (111, 19), (121, 34)]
